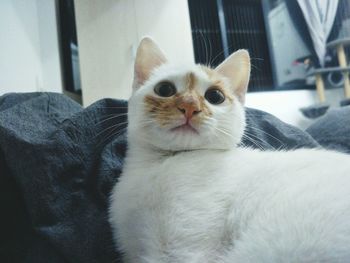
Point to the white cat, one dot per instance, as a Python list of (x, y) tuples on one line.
[(188, 194)]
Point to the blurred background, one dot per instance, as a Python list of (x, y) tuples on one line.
[(85, 48)]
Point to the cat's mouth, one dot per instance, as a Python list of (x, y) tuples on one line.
[(185, 128)]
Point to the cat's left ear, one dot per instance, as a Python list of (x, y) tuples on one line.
[(236, 68), (148, 57)]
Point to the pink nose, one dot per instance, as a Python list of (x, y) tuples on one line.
[(189, 108)]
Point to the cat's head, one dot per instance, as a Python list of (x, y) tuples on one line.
[(187, 107)]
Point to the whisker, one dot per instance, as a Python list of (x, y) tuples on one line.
[(254, 142), (111, 118), (268, 134), (221, 52), (112, 107), (261, 59), (210, 50), (111, 127), (258, 140), (112, 134), (223, 131)]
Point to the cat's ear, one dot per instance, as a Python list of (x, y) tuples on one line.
[(237, 69), (148, 57)]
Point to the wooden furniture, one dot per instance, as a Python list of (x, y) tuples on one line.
[(339, 45), (319, 80), (321, 108)]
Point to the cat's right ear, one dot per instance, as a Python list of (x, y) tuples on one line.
[(236, 68), (148, 57)]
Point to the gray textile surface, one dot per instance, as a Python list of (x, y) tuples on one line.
[(58, 164), (332, 131)]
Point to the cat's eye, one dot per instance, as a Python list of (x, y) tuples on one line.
[(214, 96), (165, 89)]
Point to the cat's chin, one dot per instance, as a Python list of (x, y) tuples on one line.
[(185, 138), (185, 129)]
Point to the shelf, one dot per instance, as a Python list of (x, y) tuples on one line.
[(335, 43), (328, 70)]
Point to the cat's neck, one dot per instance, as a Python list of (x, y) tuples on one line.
[(150, 154), (141, 150)]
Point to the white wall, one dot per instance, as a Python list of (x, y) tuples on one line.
[(49, 46), (29, 58), (168, 22), (108, 34)]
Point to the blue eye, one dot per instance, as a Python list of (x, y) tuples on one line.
[(165, 89), (214, 96)]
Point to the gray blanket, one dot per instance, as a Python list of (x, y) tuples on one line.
[(59, 162)]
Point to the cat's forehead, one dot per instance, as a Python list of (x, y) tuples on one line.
[(189, 76)]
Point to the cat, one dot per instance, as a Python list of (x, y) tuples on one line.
[(189, 194)]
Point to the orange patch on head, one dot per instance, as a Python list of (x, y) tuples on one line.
[(162, 109), (190, 81), (166, 110)]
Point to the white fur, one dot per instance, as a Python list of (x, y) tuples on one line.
[(142, 130), (218, 203)]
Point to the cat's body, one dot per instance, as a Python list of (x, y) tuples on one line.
[(237, 206), (189, 195)]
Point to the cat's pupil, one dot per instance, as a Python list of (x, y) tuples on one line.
[(165, 89), (214, 96)]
